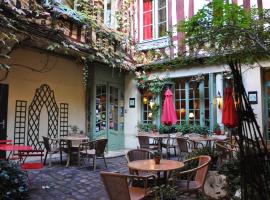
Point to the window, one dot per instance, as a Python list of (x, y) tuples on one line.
[(154, 19), (147, 114), (108, 13), (192, 103)]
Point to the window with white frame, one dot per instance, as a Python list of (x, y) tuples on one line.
[(154, 17), (108, 13)]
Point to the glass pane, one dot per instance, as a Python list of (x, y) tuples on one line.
[(100, 107), (161, 3), (177, 104), (206, 93), (113, 109), (162, 29), (191, 104), (177, 94), (183, 94), (162, 15)]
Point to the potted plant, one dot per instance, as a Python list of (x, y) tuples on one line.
[(217, 129), (157, 157)]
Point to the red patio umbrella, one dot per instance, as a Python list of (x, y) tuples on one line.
[(229, 115), (168, 111)]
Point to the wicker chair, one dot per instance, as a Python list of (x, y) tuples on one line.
[(117, 186), (183, 146), (169, 143), (94, 149), (139, 154), (145, 144), (199, 173), (50, 150)]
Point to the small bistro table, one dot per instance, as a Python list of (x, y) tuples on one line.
[(165, 166), (69, 140), (208, 139)]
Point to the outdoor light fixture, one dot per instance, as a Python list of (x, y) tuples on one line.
[(191, 115), (145, 100), (218, 100), (152, 103)]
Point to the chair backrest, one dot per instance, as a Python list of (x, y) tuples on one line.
[(100, 146), (143, 141), (30, 153), (5, 141), (139, 154), (116, 185), (46, 142), (182, 144), (203, 166)]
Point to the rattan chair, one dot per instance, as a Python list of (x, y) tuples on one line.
[(51, 149), (117, 186), (145, 144), (139, 154), (183, 147), (199, 173), (169, 143), (94, 149)]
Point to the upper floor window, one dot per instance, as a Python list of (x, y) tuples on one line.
[(154, 19), (108, 13)]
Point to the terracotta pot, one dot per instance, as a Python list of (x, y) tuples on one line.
[(157, 160), (218, 132)]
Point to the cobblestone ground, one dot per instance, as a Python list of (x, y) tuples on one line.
[(74, 183)]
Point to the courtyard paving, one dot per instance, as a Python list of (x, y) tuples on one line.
[(74, 183)]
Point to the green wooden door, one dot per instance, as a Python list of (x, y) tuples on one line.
[(109, 121)]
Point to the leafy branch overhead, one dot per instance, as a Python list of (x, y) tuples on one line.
[(223, 31)]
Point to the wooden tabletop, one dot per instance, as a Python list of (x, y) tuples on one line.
[(154, 135), (208, 138), (149, 165), (72, 138)]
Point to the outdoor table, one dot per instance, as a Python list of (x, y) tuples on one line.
[(11, 148), (165, 166), (69, 140), (208, 139)]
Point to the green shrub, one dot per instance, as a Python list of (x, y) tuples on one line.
[(187, 128), (13, 182), (167, 129), (146, 127)]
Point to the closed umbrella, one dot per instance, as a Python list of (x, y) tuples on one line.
[(168, 111), (229, 115)]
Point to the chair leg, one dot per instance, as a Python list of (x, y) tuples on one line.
[(61, 158), (105, 161), (174, 151), (94, 162), (50, 159), (44, 162)]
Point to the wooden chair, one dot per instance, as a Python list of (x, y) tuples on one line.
[(145, 144), (199, 173), (94, 149), (117, 186), (50, 150), (183, 146)]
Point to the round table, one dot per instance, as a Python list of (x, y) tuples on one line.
[(207, 139), (165, 166)]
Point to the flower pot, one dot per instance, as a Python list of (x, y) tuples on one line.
[(218, 132), (157, 160)]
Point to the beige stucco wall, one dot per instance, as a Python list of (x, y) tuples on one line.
[(64, 77), (132, 115)]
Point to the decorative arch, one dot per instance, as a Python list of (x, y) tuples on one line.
[(44, 96)]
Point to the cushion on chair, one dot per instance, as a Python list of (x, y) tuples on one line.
[(89, 152), (136, 193), (182, 185), (27, 166)]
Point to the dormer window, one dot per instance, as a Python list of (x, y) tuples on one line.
[(154, 17)]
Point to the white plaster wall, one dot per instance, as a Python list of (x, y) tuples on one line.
[(219, 88), (132, 115), (64, 78), (253, 82)]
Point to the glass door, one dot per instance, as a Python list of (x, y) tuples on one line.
[(116, 118), (109, 121)]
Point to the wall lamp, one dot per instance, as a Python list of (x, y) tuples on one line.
[(218, 100)]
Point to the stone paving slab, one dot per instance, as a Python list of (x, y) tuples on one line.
[(74, 183)]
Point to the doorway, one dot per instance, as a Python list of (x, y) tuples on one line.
[(109, 118), (3, 114)]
